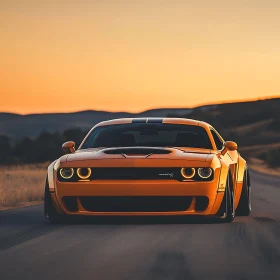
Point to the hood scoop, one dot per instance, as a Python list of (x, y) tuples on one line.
[(136, 151)]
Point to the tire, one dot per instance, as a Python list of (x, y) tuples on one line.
[(245, 205), (226, 212), (50, 212)]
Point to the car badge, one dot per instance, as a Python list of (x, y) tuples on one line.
[(171, 175)]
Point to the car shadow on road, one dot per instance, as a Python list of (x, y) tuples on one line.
[(139, 220)]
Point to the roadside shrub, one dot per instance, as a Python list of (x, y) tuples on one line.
[(272, 157)]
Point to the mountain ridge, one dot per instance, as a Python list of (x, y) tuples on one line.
[(31, 125), (236, 113)]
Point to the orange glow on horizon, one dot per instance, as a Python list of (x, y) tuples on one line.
[(67, 110), (136, 55)]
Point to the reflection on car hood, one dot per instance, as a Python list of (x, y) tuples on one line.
[(148, 153)]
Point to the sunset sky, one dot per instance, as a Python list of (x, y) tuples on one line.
[(117, 55)]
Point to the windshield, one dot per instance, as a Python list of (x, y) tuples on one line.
[(149, 135)]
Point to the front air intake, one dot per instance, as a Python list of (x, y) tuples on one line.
[(136, 203)]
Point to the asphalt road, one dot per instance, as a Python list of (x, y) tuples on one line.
[(248, 248)]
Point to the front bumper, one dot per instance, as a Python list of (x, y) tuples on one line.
[(158, 190)]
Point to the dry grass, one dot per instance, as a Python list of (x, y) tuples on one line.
[(22, 185)]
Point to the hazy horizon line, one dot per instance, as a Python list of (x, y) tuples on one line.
[(149, 109)]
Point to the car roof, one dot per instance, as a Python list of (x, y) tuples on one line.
[(154, 120)]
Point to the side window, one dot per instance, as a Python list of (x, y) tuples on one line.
[(219, 143)]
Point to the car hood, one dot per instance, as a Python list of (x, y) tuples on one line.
[(132, 156)]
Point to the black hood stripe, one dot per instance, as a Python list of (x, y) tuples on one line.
[(139, 120), (155, 120), (151, 120)]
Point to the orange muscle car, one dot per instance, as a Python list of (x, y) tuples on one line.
[(149, 166)]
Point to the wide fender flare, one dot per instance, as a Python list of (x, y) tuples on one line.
[(225, 169), (242, 167), (51, 178), (222, 183), (52, 173)]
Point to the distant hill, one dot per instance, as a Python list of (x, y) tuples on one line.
[(254, 125), (257, 120), (17, 126)]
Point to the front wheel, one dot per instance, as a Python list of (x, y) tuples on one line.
[(227, 213), (245, 205)]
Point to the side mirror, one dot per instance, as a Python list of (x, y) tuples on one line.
[(229, 146), (69, 147)]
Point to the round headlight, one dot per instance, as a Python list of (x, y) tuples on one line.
[(66, 173), (188, 173), (205, 172), (84, 173)]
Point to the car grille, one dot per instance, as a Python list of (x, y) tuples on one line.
[(136, 203), (135, 173)]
